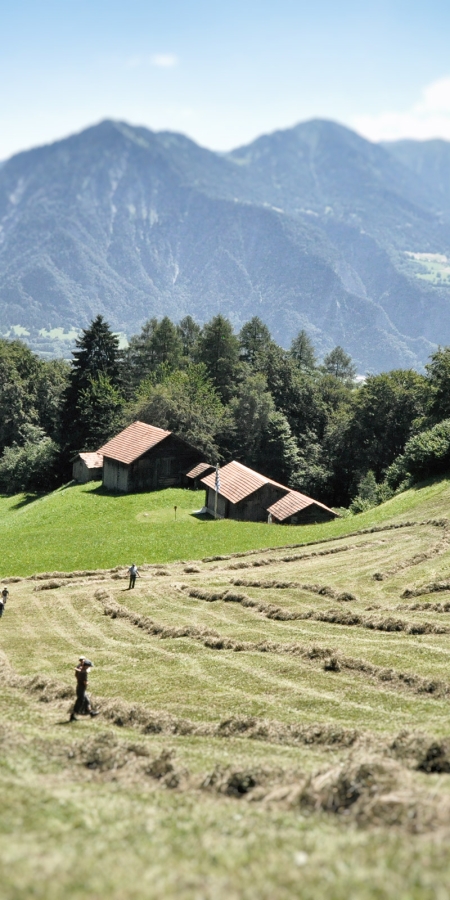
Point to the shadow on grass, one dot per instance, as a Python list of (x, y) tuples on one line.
[(27, 499), (203, 517)]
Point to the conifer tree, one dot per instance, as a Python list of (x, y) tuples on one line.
[(97, 357), (254, 338), (189, 332), (218, 349), (339, 364), (97, 353), (302, 351)]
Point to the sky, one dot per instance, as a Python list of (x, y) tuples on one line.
[(223, 72)]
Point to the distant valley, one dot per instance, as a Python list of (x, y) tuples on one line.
[(313, 227)]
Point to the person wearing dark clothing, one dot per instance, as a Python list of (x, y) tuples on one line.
[(3, 599), (82, 703), (133, 573)]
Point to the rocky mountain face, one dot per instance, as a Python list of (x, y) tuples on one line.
[(312, 227)]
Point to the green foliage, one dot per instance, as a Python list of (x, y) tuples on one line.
[(426, 455), (218, 350), (367, 495), (250, 411), (438, 371), (31, 466), (99, 413), (254, 339), (279, 456), (185, 402), (295, 394), (262, 436), (31, 392), (97, 353), (339, 364), (302, 350), (371, 430), (189, 332), (51, 384), (95, 375)]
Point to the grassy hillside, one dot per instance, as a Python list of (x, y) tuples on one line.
[(82, 526), (273, 725)]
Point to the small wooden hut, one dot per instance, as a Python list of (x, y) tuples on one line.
[(298, 509), (87, 467), (195, 475)]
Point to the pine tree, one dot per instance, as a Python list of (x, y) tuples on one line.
[(339, 364), (254, 338), (189, 332), (97, 356), (166, 344), (99, 413), (302, 351), (218, 349), (98, 353)]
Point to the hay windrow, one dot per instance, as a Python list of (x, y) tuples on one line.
[(211, 639), (330, 616), (433, 587), (425, 607), (322, 590), (437, 550), (375, 529)]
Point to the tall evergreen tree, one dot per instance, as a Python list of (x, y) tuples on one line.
[(254, 338), (99, 412), (189, 332), (302, 351), (166, 344), (97, 353), (218, 349), (97, 356), (339, 364)]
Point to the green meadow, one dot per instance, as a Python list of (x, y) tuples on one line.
[(82, 526), (271, 726)]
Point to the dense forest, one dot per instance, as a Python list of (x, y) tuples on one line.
[(305, 423)]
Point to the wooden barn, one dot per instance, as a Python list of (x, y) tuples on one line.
[(88, 467), (298, 509), (145, 458), (243, 494)]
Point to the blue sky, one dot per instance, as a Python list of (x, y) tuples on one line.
[(223, 72)]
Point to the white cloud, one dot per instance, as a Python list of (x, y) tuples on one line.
[(428, 118), (164, 60)]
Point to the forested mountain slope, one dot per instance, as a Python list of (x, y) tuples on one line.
[(312, 227)]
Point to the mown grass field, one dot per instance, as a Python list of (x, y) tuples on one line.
[(273, 724)]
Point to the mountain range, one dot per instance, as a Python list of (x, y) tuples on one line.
[(313, 227)]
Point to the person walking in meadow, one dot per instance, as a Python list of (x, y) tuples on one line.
[(133, 573), (82, 703), (3, 599)]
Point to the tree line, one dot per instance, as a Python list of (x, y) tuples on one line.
[(305, 423)]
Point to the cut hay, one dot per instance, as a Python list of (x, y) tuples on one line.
[(214, 641)]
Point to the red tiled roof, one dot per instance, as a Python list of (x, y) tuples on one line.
[(92, 460), (292, 503), (133, 441), (199, 469), (238, 482)]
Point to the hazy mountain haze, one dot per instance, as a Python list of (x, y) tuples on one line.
[(310, 227)]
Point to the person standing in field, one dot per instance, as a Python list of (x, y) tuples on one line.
[(133, 573), (3, 599), (82, 703)]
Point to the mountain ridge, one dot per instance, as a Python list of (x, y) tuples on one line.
[(312, 227)]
